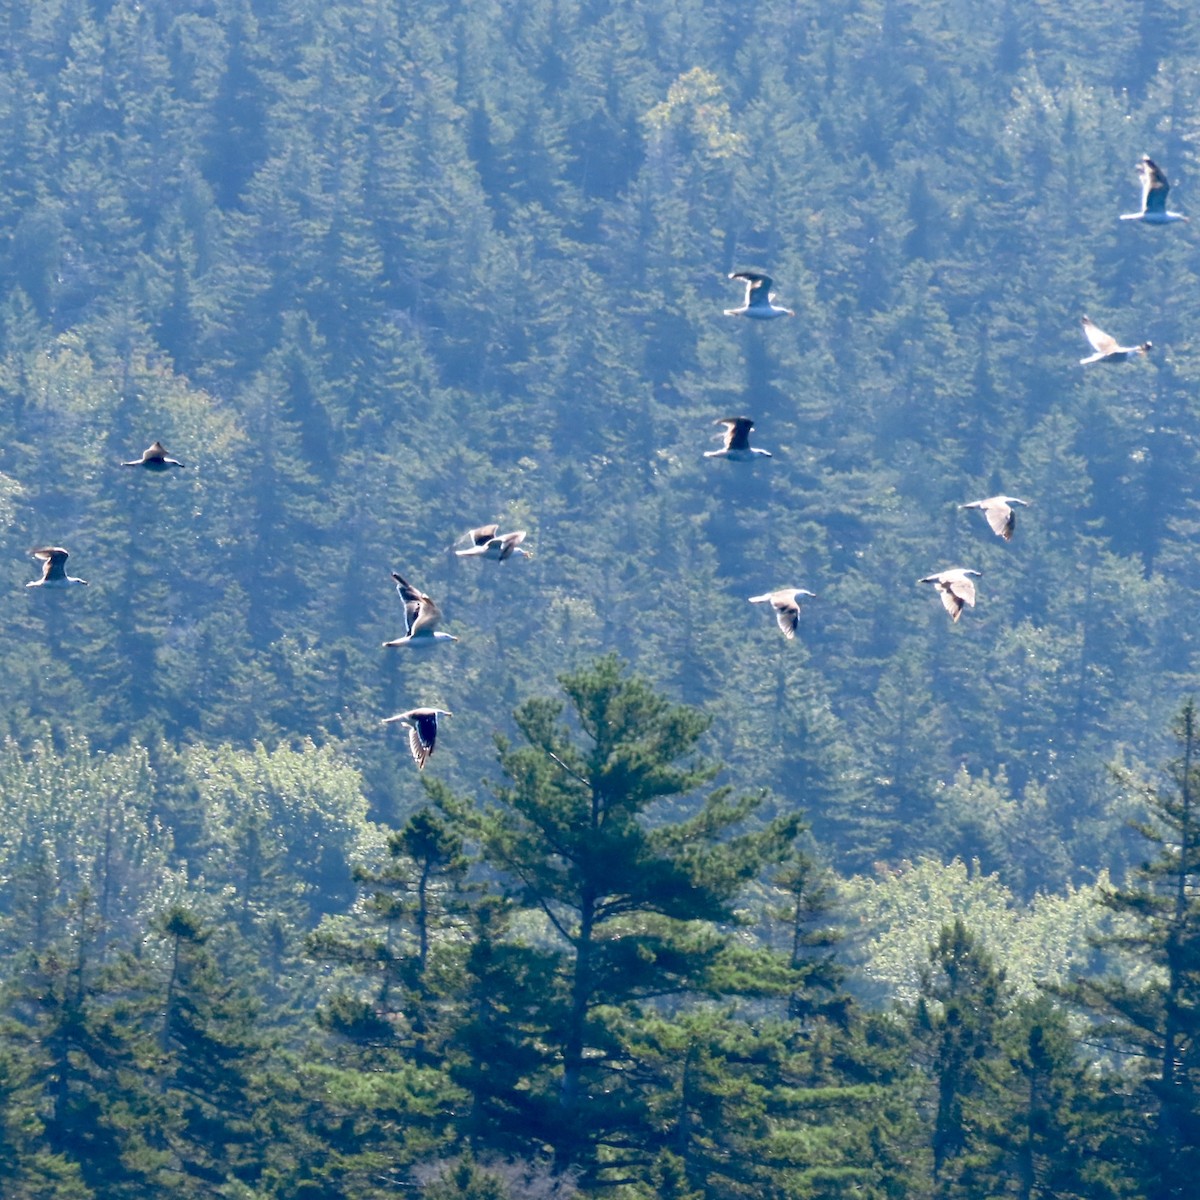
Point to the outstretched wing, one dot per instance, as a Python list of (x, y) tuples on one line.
[(950, 602), (787, 613), (758, 286), (483, 534), (420, 612), (1154, 186), (53, 560), (1101, 342), (1002, 519), (421, 737), (962, 589), (737, 432), (509, 542)]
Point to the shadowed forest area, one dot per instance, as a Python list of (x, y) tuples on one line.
[(680, 909)]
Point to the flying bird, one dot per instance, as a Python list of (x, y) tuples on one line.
[(421, 616), (54, 568), (955, 587), (737, 441), (999, 513), (422, 726), (1154, 196), (759, 303), (487, 542), (154, 458), (1107, 348), (786, 603)]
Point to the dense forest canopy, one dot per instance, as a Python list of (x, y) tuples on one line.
[(379, 273)]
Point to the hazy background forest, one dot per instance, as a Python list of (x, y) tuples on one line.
[(380, 272)]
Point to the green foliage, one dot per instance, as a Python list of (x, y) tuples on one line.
[(79, 824), (633, 907), (284, 828), (380, 275), (1153, 1020), (213, 1069), (1048, 941), (959, 1006)]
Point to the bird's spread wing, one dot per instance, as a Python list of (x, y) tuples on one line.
[(417, 748), (1154, 186), (1101, 342), (483, 534), (787, 613), (53, 560), (1002, 519), (963, 589), (737, 432), (950, 602), (422, 734), (420, 612), (509, 542), (758, 286), (50, 554)]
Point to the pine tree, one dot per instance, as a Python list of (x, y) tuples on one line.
[(100, 1114), (961, 1003), (212, 1069), (1056, 1134), (412, 906), (1153, 1022), (598, 830)]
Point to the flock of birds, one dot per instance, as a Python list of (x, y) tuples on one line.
[(955, 585), (54, 558)]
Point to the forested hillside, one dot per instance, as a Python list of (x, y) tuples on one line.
[(679, 908)]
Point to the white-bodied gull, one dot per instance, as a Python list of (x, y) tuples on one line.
[(999, 513), (421, 616), (786, 603), (1154, 196), (759, 303), (956, 588), (54, 568), (422, 726), (154, 458), (1107, 348), (737, 441), (487, 542)]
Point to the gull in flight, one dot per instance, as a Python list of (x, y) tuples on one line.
[(54, 568), (154, 458), (759, 303), (1154, 196), (999, 513), (1107, 348), (422, 726), (737, 440), (488, 542), (786, 603), (956, 588), (421, 616)]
